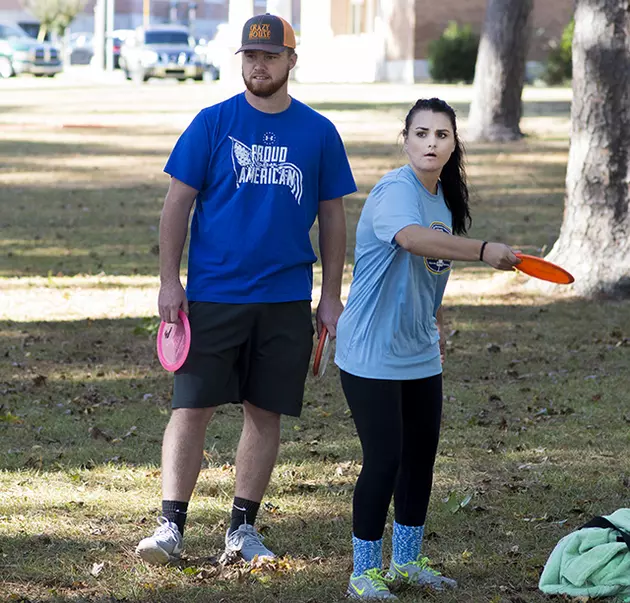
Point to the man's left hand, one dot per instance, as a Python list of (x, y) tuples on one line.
[(328, 313)]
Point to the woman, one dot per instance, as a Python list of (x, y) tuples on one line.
[(390, 342)]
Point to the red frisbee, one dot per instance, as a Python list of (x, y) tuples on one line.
[(173, 342), (544, 270), (322, 354)]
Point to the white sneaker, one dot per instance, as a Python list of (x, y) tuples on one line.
[(245, 542), (165, 545)]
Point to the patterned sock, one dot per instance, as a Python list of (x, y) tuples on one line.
[(406, 543), (243, 511), (175, 511), (367, 555)]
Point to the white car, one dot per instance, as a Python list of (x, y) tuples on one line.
[(20, 53), (161, 51), (215, 52)]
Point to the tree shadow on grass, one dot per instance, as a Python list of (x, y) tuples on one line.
[(392, 150), (530, 108), (82, 230), (61, 380), (9, 109), (100, 224), (17, 148), (534, 389)]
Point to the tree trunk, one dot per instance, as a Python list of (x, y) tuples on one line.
[(594, 242), (495, 111)]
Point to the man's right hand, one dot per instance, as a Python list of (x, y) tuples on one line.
[(171, 298)]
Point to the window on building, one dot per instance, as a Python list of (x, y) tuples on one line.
[(357, 8), (260, 7)]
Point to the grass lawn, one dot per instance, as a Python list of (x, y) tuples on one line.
[(535, 429)]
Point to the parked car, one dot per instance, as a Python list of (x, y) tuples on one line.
[(120, 35), (214, 51), (32, 29), (161, 51), (20, 53), (211, 70), (81, 48)]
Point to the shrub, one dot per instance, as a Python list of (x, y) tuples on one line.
[(453, 55), (558, 67)]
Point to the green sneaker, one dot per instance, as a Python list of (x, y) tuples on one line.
[(419, 573), (370, 585)]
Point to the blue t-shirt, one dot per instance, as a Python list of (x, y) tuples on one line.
[(388, 329), (260, 178)]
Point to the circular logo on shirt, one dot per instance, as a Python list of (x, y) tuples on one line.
[(433, 265), (269, 138)]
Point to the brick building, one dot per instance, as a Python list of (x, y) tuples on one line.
[(388, 40), (340, 40)]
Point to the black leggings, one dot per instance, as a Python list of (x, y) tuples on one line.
[(398, 423)]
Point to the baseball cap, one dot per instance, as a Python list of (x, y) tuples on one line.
[(267, 32)]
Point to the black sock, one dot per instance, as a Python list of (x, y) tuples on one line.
[(175, 511), (243, 511)]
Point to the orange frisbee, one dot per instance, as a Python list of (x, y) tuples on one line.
[(322, 353), (544, 270)]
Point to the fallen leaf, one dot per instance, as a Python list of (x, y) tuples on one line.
[(190, 571), (9, 417), (453, 502), (96, 433), (97, 568), (132, 431), (39, 380)]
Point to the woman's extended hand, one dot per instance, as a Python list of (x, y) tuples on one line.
[(500, 256)]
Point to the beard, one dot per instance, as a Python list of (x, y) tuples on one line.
[(265, 88)]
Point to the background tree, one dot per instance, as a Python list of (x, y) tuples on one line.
[(594, 242), (54, 15), (495, 111)]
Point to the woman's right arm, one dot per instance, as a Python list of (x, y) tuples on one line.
[(427, 242)]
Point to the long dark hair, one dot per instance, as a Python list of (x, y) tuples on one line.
[(453, 176)]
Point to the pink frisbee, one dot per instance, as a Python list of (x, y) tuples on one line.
[(173, 342)]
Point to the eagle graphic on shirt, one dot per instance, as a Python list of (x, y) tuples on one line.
[(265, 164)]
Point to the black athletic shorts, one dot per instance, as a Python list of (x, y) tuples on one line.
[(254, 352)]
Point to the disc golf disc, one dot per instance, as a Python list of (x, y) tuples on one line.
[(322, 353), (173, 342), (543, 269)]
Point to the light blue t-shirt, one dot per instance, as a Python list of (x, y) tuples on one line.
[(260, 177), (388, 329)]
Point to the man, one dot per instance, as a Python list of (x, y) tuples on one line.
[(261, 166)]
